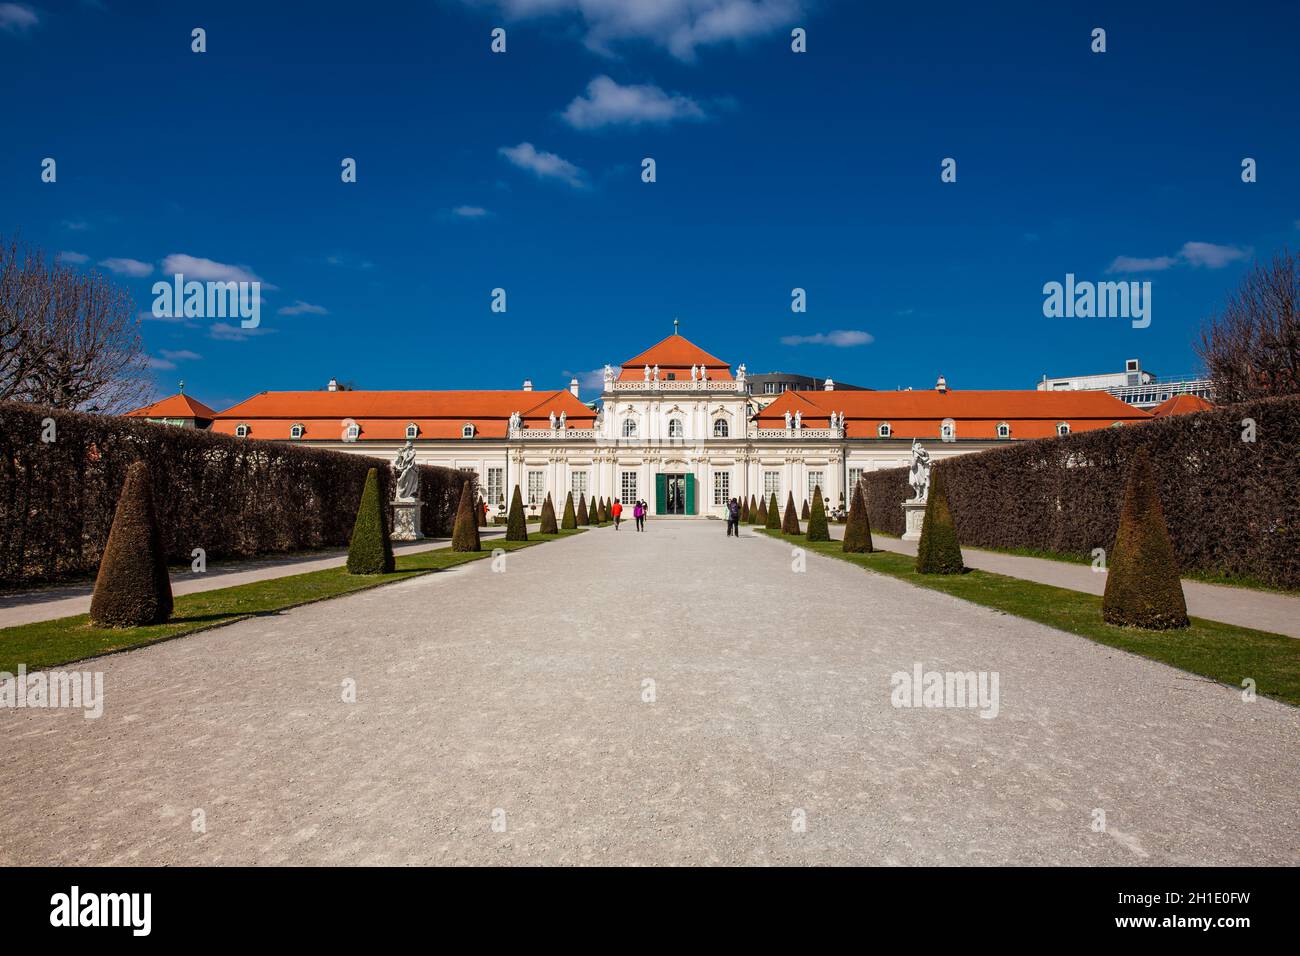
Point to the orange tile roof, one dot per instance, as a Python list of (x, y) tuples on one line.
[(385, 415), (674, 354), (919, 414), (175, 406), (1181, 405)]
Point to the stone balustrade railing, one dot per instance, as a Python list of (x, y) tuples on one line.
[(677, 385), (555, 434), (799, 433)]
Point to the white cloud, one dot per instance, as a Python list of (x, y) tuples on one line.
[(300, 307), (208, 270), (590, 381), (840, 338), (544, 165), (154, 364), (1133, 264), (225, 332), (679, 26), (470, 212), (127, 267), (150, 317), (1199, 255), (180, 355), (76, 258), (606, 103), (17, 17), (1210, 256)]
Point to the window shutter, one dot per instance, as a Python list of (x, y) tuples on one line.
[(661, 494), (690, 494)]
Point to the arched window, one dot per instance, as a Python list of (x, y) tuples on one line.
[(412, 430), (296, 430), (629, 428), (675, 429), (352, 432), (720, 428), (885, 430), (948, 430), (241, 431), (1062, 428), (1004, 430), (467, 430)]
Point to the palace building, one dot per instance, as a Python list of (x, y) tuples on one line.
[(674, 425)]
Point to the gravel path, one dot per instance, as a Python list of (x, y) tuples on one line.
[(517, 698)]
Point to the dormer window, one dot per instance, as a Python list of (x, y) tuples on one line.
[(352, 432), (1062, 429), (1004, 430), (241, 431), (467, 430), (296, 430), (885, 430), (948, 430), (412, 431)]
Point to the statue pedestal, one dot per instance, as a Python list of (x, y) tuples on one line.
[(914, 518), (406, 521)]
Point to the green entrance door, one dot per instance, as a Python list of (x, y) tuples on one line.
[(675, 494)]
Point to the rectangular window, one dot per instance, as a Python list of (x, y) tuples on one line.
[(816, 479), (536, 487), (628, 486), (721, 487), (578, 484), (496, 478), (855, 475), (771, 484)]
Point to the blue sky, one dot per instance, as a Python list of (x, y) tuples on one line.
[(775, 170)]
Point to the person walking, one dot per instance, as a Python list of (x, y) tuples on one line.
[(616, 511), (639, 514), (733, 518)]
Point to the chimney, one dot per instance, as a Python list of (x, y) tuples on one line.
[(528, 385), (333, 386), (830, 385), (941, 386), (573, 387)]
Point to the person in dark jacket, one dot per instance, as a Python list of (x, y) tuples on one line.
[(733, 518)]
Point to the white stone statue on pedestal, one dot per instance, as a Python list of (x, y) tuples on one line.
[(918, 475), (656, 371), (552, 420), (516, 421), (408, 475), (563, 418), (787, 419), (647, 373), (798, 420), (609, 377), (695, 374)]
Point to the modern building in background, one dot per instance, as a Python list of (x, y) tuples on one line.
[(765, 388), (1135, 385)]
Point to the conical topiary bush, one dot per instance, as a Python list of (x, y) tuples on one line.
[(570, 520), (938, 551), (790, 523), (464, 533), (744, 511), (604, 510), (480, 512), (805, 513), (132, 587), (1143, 588), (817, 530), (772, 518), (584, 519), (516, 527), (371, 549), (857, 533), (757, 513), (547, 525)]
